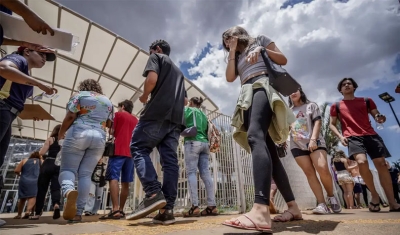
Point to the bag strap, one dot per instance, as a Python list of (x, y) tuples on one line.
[(194, 118)]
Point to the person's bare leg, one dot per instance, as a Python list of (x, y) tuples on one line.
[(114, 191), (366, 174), (307, 166), (21, 205), (386, 181), (349, 195), (124, 195), (319, 159), (259, 214), (358, 200), (31, 204)]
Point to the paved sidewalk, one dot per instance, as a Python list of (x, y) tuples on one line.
[(360, 222)]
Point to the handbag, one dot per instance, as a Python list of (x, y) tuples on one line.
[(281, 149), (109, 148), (278, 77), (190, 131)]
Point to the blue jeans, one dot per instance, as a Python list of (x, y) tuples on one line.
[(95, 196), (82, 149), (196, 156), (164, 136)]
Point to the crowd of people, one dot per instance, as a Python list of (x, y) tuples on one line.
[(79, 142)]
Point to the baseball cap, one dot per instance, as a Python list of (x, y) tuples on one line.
[(50, 56)]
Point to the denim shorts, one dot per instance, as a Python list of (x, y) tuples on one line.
[(120, 166)]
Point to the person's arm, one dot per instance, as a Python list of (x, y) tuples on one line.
[(10, 71), (31, 46), (112, 131), (18, 169), (316, 118), (73, 107), (332, 125), (272, 50), (151, 73), (230, 72), (46, 146), (31, 18), (374, 112)]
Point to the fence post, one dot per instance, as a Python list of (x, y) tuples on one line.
[(240, 178)]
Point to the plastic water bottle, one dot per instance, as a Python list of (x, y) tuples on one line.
[(379, 126), (57, 162)]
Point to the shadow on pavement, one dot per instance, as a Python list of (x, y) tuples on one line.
[(151, 224), (25, 223)]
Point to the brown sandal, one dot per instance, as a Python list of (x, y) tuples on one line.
[(210, 211), (192, 213)]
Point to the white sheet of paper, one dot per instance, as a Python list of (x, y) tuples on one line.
[(16, 28)]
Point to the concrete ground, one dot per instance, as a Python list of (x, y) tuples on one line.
[(360, 222)]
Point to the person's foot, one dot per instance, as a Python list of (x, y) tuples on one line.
[(292, 213), (194, 211), (147, 206), (257, 217), (70, 205), (166, 217), (75, 219), (335, 205), (321, 209), (2, 222), (56, 213), (394, 208)]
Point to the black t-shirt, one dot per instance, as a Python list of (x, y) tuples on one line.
[(168, 96)]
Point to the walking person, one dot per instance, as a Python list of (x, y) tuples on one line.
[(252, 119), (89, 113), (361, 139), (309, 150), (96, 189), (120, 166), (341, 165), (49, 173), (160, 125), (197, 153), (394, 175), (28, 170)]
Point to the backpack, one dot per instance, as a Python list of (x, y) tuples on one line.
[(214, 137), (337, 104)]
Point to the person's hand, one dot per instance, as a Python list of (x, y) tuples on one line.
[(344, 141), (380, 118), (312, 145), (232, 43), (48, 90), (143, 98), (37, 24), (37, 47), (252, 58)]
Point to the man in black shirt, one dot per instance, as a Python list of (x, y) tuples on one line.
[(160, 125)]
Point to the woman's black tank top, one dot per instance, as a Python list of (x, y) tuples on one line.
[(339, 166), (54, 148)]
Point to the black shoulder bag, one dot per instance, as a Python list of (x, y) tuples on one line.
[(278, 77), (110, 145)]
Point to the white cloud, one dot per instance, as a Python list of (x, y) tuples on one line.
[(324, 41), (394, 128)]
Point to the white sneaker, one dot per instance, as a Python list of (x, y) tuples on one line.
[(321, 209), (335, 206), (2, 222)]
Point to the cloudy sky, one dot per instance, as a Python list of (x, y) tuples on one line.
[(324, 41)]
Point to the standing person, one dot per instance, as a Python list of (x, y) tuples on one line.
[(96, 189), (28, 170), (121, 164), (358, 182), (9, 205), (49, 173), (16, 86), (252, 120), (361, 139), (309, 150), (197, 153), (394, 175), (160, 125), (89, 113), (341, 165)]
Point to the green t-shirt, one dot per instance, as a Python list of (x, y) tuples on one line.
[(201, 123)]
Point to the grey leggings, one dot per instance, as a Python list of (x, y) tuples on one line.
[(266, 162)]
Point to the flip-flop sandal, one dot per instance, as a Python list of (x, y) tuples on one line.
[(241, 226), (35, 217), (17, 217), (191, 213), (26, 216), (395, 210), (111, 215), (56, 213), (292, 218), (374, 206), (70, 206)]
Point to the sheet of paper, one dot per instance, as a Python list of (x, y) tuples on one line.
[(16, 28)]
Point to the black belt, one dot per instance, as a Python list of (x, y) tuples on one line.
[(12, 109)]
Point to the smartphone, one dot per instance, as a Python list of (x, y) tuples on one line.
[(318, 143)]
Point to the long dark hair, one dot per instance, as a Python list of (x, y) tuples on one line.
[(35, 155), (197, 101), (303, 98), (55, 131)]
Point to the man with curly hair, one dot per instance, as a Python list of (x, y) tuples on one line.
[(160, 125)]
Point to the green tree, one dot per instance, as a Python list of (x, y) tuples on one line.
[(331, 140), (396, 164)]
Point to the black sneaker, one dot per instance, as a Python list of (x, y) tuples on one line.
[(165, 218), (147, 206)]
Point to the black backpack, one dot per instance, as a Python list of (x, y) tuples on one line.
[(338, 107)]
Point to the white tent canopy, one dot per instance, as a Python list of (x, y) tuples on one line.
[(101, 54)]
